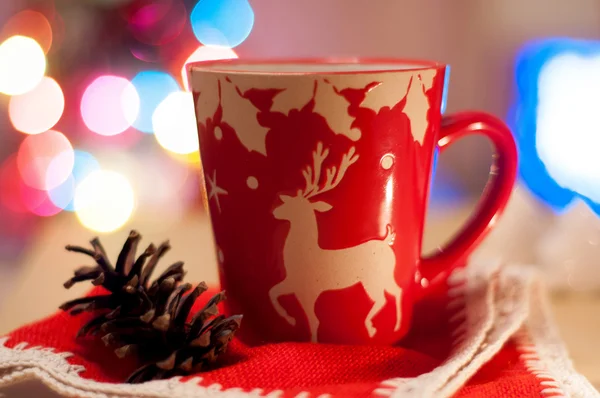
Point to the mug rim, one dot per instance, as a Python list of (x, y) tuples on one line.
[(236, 65)]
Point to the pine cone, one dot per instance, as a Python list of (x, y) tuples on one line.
[(127, 282), (167, 343), (151, 320)]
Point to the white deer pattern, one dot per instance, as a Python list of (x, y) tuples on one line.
[(311, 270)]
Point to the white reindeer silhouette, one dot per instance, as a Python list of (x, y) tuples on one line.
[(311, 270)]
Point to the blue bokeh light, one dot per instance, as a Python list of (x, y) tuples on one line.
[(443, 191), (522, 117), (62, 195), (445, 92), (222, 22), (152, 87)]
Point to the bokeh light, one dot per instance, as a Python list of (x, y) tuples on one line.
[(39, 109), (45, 160), (153, 87), (445, 92), (568, 102), (191, 159), (554, 117), (206, 53), (20, 198), (10, 186), (62, 196), (110, 105), (158, 22), (104, 201), (32, 24), (85, 163), (174, 123), (222, 22), (22, 65), (38, 202)]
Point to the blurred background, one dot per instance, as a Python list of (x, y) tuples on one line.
[(97, 129)]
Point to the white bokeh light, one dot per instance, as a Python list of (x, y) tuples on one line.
[(104, 201), (174, 123), (22, 65), (37, 110), (568, 134)]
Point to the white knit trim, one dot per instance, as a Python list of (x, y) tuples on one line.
[(495, 304), (545, 356), (530, 358), (456, 307), (488, 305), (52, 369)]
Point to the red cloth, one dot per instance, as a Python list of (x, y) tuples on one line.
[(295, 368)]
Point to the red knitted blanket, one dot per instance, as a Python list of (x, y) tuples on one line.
[(488, 334)]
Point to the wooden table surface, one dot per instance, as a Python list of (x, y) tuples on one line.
[(32, 288)]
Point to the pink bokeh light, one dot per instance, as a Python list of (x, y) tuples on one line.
[(20, 198), (45, 160), (38, 202), (10, 186), (158, 22), (110, 105)]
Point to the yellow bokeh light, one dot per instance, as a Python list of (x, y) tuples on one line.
[(174, 123), (104, 201), (190, 159), (22, 65)]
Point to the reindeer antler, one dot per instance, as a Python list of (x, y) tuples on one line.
[(333, 175), (312, 178)]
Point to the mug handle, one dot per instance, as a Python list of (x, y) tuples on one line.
[(437, 267)]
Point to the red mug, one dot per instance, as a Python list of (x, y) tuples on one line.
[(317, 175)]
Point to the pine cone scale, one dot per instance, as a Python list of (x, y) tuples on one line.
[(127, 254), (153, 262), (139, 263), (101, 253)]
